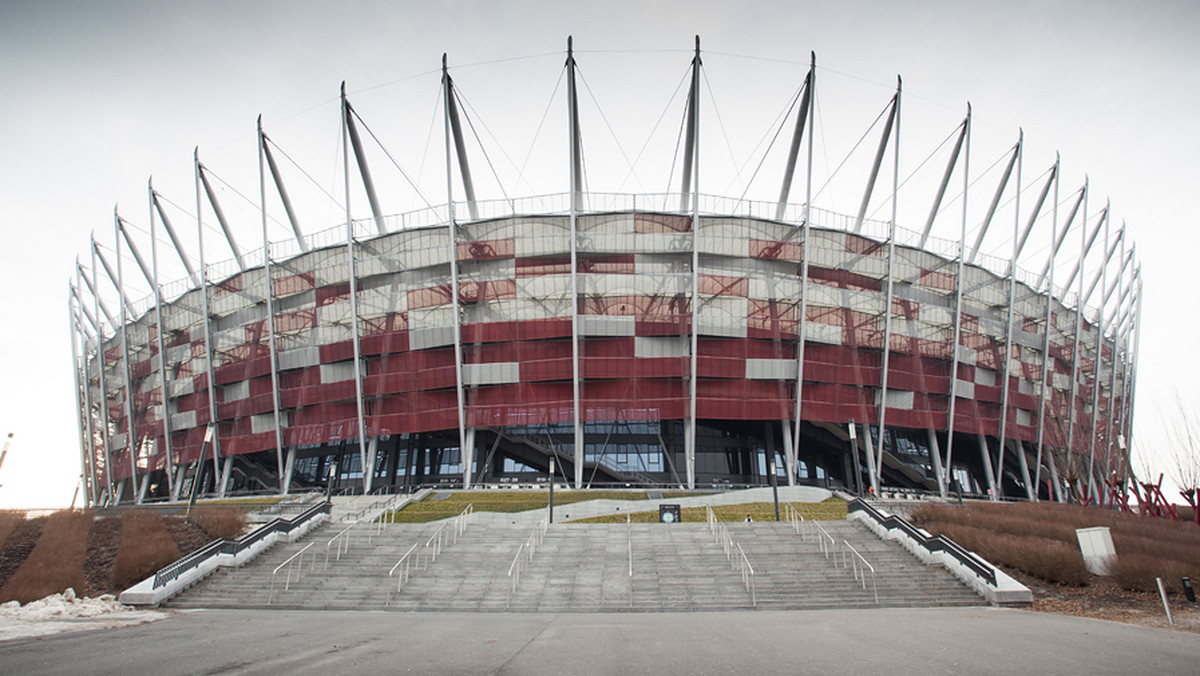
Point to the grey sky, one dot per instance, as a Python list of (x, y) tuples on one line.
[(99, 96)]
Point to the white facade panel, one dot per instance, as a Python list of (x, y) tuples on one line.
[(606, 325), (491, 374), (771, 369), (662, 346)]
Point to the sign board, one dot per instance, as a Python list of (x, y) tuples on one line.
[(669, 514)]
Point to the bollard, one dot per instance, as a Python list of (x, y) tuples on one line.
[(1162, 592), (1188, 591)]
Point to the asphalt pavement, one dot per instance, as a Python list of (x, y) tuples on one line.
[(982, 640)]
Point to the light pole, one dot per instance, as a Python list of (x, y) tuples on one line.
[(775, 487), (551, 490), (854, 454)]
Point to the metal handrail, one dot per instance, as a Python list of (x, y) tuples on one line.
[(747, 571), (529, 547), (514, 570), (796, 519), (825, 540), (343, 543), (936, 543), (739, 563), (234, 547), (860, 573), (629, 533), (299, 568), (405, 574)]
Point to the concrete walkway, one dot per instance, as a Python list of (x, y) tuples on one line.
[(891, 641)]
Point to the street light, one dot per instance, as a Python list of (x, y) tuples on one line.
[(775, 488), (551, 490)]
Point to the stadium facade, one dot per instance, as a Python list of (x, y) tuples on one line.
[(623, 339)]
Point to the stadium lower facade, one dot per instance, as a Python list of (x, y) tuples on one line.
[(630, 340)]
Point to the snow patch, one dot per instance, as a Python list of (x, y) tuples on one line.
[(59, 613)]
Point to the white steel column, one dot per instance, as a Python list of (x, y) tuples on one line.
[(944, 481), (877, 479), (1046, 393), (84, 464), (467, 454), (1001, 430), (209, 353), (987, 465), (130, 425), (358, 386), (270, 294), (105, 425), (692, 172), (1097, 364), (576, 205), (164, 398), (808, 111), (1079, 303)]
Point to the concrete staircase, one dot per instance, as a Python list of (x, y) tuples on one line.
[(580, 567)]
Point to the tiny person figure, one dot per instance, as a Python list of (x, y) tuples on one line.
[(749, 519)]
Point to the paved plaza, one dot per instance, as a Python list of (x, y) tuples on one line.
[(979, 640)]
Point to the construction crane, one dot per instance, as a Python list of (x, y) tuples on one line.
[(4, 452)]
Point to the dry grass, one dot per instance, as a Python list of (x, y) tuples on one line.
[(1039, 539), (831, 509), (145, 547), (506, 501), (220, 521), (8, 521), (56, 562)]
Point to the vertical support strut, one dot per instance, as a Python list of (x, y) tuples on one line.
[(76, 330), (692, 169), (806, 251), (576, 205), (891, 287), (214, 428), (172, 487), (347, 134), (452, 244), (105, 424), (690, 145), (270, 294), (127, 372), (1006, 373), (958, 304)]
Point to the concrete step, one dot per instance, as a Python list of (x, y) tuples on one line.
[(580, 567)]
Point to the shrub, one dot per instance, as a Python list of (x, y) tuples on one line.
[(145, 547), (56, 561), (1050, 560), (220, 521)]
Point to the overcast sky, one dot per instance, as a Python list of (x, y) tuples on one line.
[(100, 96)]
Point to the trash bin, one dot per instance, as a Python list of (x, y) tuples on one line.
[(1188, 591)]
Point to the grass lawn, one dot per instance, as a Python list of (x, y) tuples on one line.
[(831, 509), (507, 501)]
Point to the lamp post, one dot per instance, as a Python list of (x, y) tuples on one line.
[(551, 490), (854, 454), (775, 487)]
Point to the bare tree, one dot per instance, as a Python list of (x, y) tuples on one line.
[(1182, 432)]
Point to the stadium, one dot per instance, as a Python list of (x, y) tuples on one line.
[(607, 339)]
